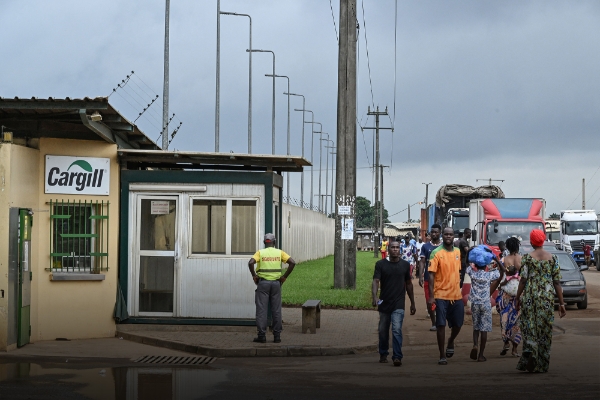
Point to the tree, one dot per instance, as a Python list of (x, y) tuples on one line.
[(554, 216), (365, 213)]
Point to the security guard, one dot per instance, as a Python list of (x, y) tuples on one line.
[(268, 280)]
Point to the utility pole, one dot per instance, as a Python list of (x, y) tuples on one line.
[(381, 207), (345, 247), (378, 224), (426, 194), (583, 194), (408, 213)]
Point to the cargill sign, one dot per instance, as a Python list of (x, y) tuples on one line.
[(77, 175)]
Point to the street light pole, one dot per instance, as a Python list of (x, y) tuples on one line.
[(327, 172), (312, 129), (249, 78), (218, 77), (320, 165), (165, 110), (302, 173), (312, 145), (288, 129), (273, 100)]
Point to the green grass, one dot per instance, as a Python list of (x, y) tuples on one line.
[(313, 280)]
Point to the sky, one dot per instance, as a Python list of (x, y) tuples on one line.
[(508, 91)]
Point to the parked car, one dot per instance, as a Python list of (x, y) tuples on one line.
[(526, 246), (572, 280)]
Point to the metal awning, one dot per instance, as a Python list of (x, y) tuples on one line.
[(144, 159), (83, 119)]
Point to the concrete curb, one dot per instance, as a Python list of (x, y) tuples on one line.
[(270, 351)]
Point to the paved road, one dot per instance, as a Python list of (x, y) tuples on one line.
[(103, 370)]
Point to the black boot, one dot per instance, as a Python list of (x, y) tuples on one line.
[(260, 339), (277, 338)]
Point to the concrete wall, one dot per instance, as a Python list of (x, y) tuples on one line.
[(70, 309), (306, 235)]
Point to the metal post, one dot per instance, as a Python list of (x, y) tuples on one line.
[(408, 213), (273, 99), (426, 193), (332, 209), (165, 121), (320, 169), (327, 173), (288, 130), (249, 78), (345, 249), (381, 202), (583, 194), (312, 130), (218, 78), (312, 145)]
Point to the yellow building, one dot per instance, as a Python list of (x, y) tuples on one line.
[(59, 197), (98, 224)]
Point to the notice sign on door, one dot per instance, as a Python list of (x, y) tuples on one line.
[(159, 207), (77, 175)]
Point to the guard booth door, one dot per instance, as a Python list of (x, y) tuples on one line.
[(25, 276)]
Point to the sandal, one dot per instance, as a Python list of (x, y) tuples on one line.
[(473, 355), (442, 361), (449, 352), (482, 359), (516, 355), (504, 351), (530, 363)]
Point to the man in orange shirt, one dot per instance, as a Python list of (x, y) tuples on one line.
[(445, 293)]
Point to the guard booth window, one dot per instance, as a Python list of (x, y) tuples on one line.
[(79, 236), (210, 230)]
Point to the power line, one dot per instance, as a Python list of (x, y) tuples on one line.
[(367, 50), (404, 209), (333, 18)]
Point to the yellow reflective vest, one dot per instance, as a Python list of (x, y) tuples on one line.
[(268, 261)]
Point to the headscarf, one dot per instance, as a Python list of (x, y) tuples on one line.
[(481, 255), (537, 237)]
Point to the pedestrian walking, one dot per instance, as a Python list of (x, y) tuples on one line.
[(503, 250), (419, 246), (463, 245), (393, 277), (383, 247), (444, 292), (408, 252), (481, 305), (540, 272), (268, 279), (423, 274), (587, 252), (507, 297)]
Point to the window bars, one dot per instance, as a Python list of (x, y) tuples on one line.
[(79, 236)]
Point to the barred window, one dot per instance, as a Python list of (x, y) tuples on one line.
[(79, 236)]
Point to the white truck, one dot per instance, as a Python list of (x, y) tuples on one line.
[(457, 219), (575, 226)]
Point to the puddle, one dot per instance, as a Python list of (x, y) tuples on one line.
[(34, 381)]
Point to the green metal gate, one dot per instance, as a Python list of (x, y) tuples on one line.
[(25, 276)]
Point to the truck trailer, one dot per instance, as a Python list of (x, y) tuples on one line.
[(451, 207)]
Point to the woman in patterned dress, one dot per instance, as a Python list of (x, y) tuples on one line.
[(540, 274), (506, 300)]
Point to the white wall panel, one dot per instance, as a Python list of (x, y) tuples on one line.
[(306, 235)]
